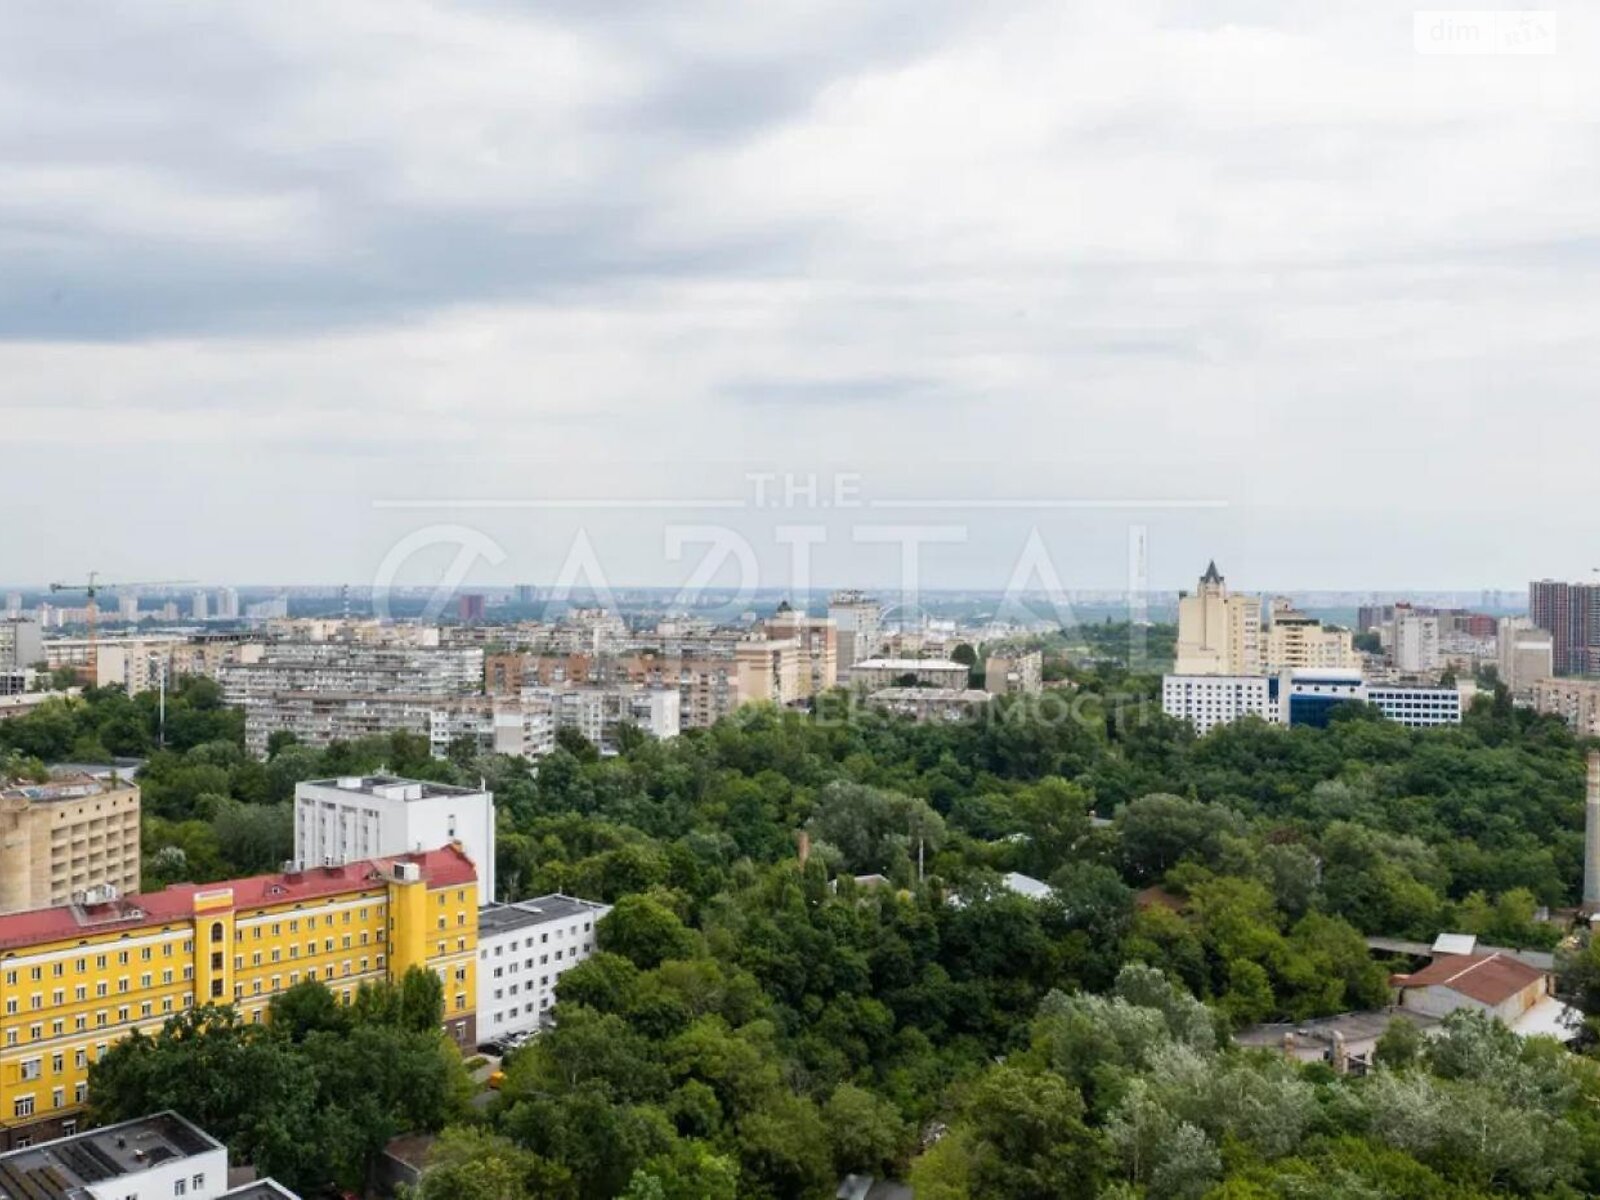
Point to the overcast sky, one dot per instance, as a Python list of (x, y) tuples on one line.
[(267, 268)]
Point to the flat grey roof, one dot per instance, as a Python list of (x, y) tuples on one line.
[(369, 784), (503, 918), (100, 1155)]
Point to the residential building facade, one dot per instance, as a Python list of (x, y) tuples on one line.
[(1575, 701), (1571, 612), (1295, 641), (859, 619), (875, 674), (1016, 672), (66, 836), (21, 643)]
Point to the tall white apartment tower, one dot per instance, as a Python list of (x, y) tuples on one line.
[(1415, 645), (374, 816), (1218, 633)]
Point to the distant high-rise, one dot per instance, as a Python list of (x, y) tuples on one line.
[(200, 606), (1524, 654), (128, 608), (1571, 612), (470, 607), (1416, 640), (13, 604), (1218, 633), (21, 643), (228, 604), (858, 619)]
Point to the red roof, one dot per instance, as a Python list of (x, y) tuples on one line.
[(446, 867), (1489, 978)]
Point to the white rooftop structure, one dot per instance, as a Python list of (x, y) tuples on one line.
[(374, 816)]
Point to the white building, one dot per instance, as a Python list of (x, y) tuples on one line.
[(200, 606), (21, 643), (151, 1158), (1303, 698), (1414, 706), (375, 816), (228, 604), (1210, 700), (523, 948), (1415, 641)]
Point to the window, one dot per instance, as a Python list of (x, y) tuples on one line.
[(22, 1106)]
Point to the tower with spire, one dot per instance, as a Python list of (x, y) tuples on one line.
[(1218, 633)]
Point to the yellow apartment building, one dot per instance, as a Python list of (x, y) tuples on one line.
[(76, 978)]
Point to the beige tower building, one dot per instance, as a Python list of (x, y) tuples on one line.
[(818, 642), (64, 838), (1295, 641), (1218, 634), (1525, 655)]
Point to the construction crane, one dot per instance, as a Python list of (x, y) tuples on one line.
[(92, 589)]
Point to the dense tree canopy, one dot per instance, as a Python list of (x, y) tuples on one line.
[(757, 1022)]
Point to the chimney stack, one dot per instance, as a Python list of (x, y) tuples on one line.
[(1591, 836)]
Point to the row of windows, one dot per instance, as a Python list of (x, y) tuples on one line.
[(102, 1019), (544, 960), (80, 993), (101, 962)]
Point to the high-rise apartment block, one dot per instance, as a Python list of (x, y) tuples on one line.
[(858, 618), (1295, 641), (1218, 633), (1414, 644), (21, 643), (1571, 612), (76, 978), (817, 642), (373, 816), (66, 837), (326, 691)]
